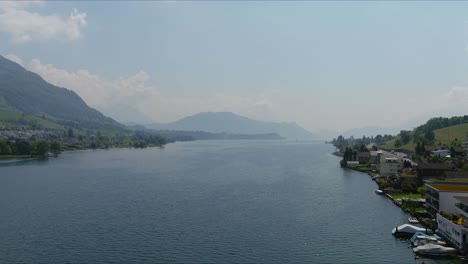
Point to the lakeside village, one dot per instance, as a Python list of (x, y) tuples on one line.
[(430, 184), (22, 142)]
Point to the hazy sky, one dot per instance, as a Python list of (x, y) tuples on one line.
[(324, 65)]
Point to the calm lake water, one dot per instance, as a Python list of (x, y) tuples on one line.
[(197, 202)]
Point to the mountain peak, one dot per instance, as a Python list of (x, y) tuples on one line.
[(27, 92), (218, 122)]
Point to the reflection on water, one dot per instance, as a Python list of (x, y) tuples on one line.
[(25, 161), (197, 202)]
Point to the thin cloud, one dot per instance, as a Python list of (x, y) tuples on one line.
[(14, 58), (26, 26), (95, 90), (137, 93), (457, 96)]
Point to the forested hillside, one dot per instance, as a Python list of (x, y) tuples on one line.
[(26, 92)]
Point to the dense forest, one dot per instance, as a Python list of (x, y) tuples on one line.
[(342, 143), (25, 148)]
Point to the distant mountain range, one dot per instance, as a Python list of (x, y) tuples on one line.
[(26, 92), (227, 122)]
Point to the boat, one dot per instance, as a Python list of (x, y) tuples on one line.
[(380, 192), (434, 250), (420, 238), (413, 220), (409, 230)]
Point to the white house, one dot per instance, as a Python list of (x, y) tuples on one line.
[(390, 166), (441, 197), (447, 202), (441, 153)]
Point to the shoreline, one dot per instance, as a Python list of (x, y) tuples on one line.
[(20, 157), (396, 201)]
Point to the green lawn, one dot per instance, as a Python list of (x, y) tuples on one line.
[(407, 196), (452, 180), (448, 134), (391, 145)]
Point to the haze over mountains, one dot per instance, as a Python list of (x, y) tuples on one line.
[(219, 122), (369, 131), (26, 92)]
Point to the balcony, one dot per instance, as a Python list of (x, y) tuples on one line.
[(432, 194), (431, 211), (462, 209), (432, 202)]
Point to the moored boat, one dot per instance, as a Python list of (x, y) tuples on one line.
[(380, 192), (409, 230), (420, 238), (434, 250), (413, 220)]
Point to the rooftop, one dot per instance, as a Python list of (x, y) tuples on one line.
[(365, 154), (454, 187), (435, 166)]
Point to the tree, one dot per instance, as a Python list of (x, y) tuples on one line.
[(417, 149), (406, 187), (378, 139), (429, 135), (405, 136), (343, 163), (23, 147), (465, 167), (55, 148), (5, 149), (40, 148), (397, 143), (363, 148), (70, 132)]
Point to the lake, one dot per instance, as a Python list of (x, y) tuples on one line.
[(197, 202)]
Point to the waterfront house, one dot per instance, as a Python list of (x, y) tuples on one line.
[(441, 153), (432, 170), (440, 196), (447, 202), (390, 167), (363, 157), (455, 231), (459, 151), (432, 148), (375, 156), (456, 175)]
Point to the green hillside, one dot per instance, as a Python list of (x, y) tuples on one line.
[(445, 136), (26, 92), (12, 119), (391, 145), (442, 136)]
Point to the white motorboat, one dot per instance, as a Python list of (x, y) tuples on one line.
[(380, 192), (413, 220), (409, 230), (434, 250)]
